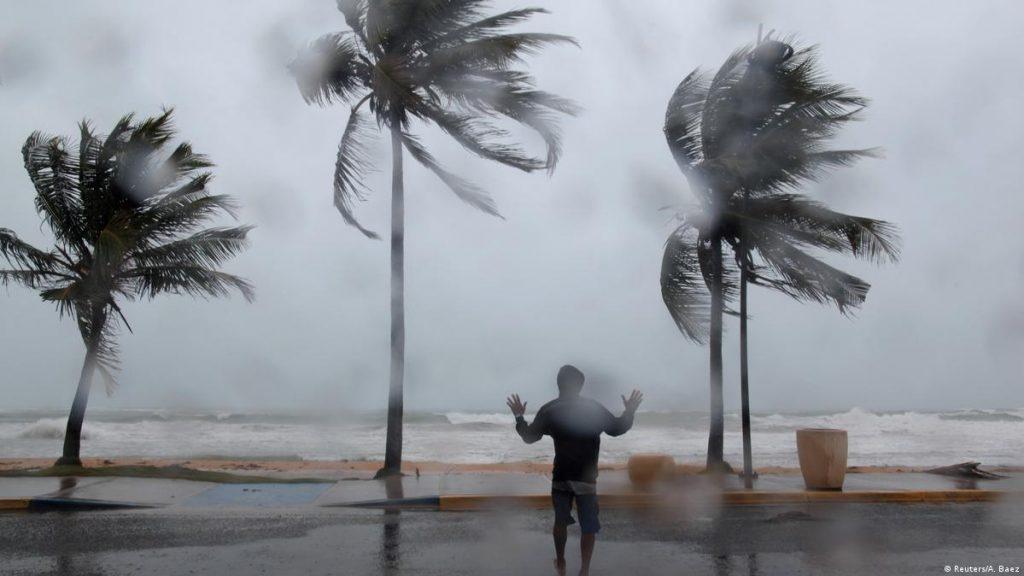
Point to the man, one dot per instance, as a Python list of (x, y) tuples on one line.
[(575, 424)]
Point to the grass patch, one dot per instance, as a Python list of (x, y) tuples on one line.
[(173, 472)]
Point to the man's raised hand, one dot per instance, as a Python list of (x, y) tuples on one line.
[(633, 402), (517, 406)]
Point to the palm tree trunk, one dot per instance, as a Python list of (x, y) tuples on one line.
[(717, 425), (393, 448), (748, 464), (73, 432)]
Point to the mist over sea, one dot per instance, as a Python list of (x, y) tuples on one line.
[(993, 437)]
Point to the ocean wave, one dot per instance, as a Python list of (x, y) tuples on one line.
[(983, 416), (469, 418), (48, 428)]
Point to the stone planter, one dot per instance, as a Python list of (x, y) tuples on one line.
[(822, 454), (647, 469)]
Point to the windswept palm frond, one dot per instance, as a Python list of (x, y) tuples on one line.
[(483, 139), (491, 52), (193, 280), (812, 224), (481, 28), (805, 277), (719, 110), (211, 248), (466, 191), (332, 69), (354, 12), (682, 121), (682, 285), (442, 62), (510, 94), (350, 169), (51, 167), (24, 255)]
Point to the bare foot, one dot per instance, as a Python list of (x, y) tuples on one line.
[(560, 566)]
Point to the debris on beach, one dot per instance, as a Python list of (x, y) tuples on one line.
[(965, 470)]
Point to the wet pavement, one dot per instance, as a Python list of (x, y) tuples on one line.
[(807, 539)]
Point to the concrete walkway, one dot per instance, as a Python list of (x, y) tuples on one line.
[(470, 491)]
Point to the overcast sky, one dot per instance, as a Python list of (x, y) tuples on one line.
[(571, 275)]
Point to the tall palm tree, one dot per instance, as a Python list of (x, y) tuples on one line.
[(746, 140), (440, 62), (126, 214)]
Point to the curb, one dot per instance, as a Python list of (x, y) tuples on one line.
[(14, 504), (646, 501), (865, 497), (46, 504), (469, 502)]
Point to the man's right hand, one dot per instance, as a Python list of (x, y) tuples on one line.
[(517, 406)]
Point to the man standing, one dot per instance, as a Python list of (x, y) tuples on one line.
[(575, 424)]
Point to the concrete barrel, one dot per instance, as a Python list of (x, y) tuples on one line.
[(822, 454), (646, 469)]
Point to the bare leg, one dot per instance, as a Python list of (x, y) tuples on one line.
[(586, 551), (560, 534)]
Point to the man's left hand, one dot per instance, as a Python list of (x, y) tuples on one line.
[(517, 406)]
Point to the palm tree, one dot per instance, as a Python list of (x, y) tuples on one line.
[(440, 62), (125, 217), (746, 140)]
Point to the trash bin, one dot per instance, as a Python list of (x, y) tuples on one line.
[(822, 454)]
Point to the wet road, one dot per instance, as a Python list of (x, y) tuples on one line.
[(848, 539)]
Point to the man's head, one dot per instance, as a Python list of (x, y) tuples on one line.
[(570, 380)]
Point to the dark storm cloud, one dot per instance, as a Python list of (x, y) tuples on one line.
[(571, 275)]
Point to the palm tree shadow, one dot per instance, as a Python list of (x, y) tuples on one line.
[(390, 547)]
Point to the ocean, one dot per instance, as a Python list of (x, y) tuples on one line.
[(993, 437)]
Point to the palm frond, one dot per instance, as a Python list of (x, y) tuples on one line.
[(332, 68), (154, 132), (498, 52), (682, 285), (481, 28), (19, 253), (195, 281), (484, 139), (682, 121), (354, 12), (412, 24), (32, 279), (811, 223), (807, 278), (350, 169), (51, 168), (509, 94), (719, 106), (210, 248), (466, 191), (182, 163)]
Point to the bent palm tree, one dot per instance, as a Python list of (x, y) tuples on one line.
[(745, 140), (440, 62), (126, 219)]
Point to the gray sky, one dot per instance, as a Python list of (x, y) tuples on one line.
[(572, 274)]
